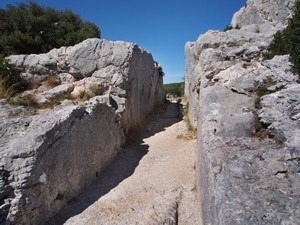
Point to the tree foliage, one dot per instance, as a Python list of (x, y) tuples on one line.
[(31, 28), (288, 40), (175, 89)]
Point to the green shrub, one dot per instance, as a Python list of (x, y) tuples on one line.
[(230, 27), (31, 28), (160, 71), (288, 40), (263, 89)]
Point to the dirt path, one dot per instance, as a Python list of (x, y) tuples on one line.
[(151, 182)]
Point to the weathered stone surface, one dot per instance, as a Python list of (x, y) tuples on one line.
[(248, 159), (262, 11), (124, 67), (280, 112), (47, 165), (221, 55), (49, 155)]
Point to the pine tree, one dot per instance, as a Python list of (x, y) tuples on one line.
[(288, 40)]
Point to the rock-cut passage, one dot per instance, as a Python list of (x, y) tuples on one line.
[(151, 182)]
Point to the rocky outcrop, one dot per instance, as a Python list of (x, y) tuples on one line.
[(263, 11), (97, 67), (246, 113), (48, 155), (216, 54)]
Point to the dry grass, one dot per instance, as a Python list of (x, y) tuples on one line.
[(93, 91), (80, 93), (187, 136), (260, 129), (29, 100), (6, 91), (261, 134), (52, 81), (56, 101), (191, 131), (35, 84), (26, 100)]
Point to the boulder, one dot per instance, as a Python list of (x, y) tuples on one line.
[(123, 67)]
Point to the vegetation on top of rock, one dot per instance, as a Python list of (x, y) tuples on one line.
[(230, 27), (175, 89), (287, 41), (10, 80), (31, 28)]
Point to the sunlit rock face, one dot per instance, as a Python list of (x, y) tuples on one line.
[(246, 111), (263, 11), (48, 155)]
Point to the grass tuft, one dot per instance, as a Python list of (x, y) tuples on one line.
[(183, 114), (10, 80), (6, 90), (52, 81), (26, 100)]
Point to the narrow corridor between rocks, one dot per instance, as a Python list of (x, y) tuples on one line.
[(152, 181)]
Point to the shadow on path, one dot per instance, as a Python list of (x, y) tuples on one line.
[(121, 168)]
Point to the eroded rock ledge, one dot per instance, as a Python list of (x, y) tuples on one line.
[(49, 154), (248, 144)]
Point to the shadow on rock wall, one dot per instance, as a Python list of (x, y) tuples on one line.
[(122, 167)]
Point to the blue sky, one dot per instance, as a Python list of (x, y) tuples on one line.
[(162, 27)]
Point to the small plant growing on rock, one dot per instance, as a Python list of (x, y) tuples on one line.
[(160, 71), (257, 103), (57, 100), (94, 90), (6, 90), (263, 89), (35, 84), (260, 129), (52, 81), (183, 114), (230, 27), (10, 80), (80, 93), (26, 100), (246, 65)]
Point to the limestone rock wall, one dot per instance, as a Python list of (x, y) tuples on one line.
[(47, 156), (263, 11), (118, 68), (216, 54), (246, 113)]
